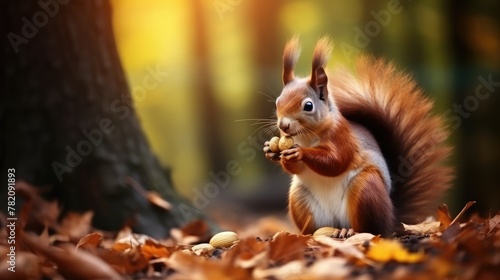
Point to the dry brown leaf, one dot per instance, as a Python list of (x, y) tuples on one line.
[(137, 249), (125, 240), (493, 223), (285, 247), (91, 240), (329, 268), (123, 233), (76, 225), (450, 234), (122, 246), (153, 250), (426, 227), (347, 249), (290, 270), (131, 261), (443, 216), (252, 253), (462, 212), (36, 211), (72, 264), (190, 266)]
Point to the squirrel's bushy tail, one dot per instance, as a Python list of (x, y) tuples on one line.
[(412, 139)]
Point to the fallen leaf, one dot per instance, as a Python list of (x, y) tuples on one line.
[(252, 253), (153, 250), (76, 225), (290, 270), (72, 264), (493, 223), (190, 266), (392, 250), (91, 240), (462, 212), (36, 212), (443, 216), (426, 227), (330, 268), (348, 249), (450, 234), (131, 261), (285, 247)]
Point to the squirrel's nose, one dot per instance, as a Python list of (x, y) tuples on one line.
[(284, 125)]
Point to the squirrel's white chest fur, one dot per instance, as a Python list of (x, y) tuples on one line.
[(327, 196)]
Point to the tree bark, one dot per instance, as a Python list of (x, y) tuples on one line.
[(69, 121)]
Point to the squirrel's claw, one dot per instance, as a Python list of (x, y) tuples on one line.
[(343, 233), (293, 154), (346, 233), (270, 154)]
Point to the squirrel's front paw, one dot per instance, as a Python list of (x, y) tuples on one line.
[(293, 154), (270, 154)]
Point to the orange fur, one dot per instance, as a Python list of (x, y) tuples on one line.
[(394, 109), (336, 154), (299, 212), (370, 207), (290, 57)]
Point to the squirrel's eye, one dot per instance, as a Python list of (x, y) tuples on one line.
[(308, 106)]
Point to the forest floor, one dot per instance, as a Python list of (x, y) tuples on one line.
[(442, 247)]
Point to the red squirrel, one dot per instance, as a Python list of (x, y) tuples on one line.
[(368, 151)]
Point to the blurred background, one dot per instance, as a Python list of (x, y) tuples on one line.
[(217, 63)]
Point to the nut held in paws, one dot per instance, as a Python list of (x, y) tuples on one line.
[(274, 144), (285, 143)]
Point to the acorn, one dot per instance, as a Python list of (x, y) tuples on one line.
[(326, 231), (224, 239), (202, 248), (285, 143), (274, 144)]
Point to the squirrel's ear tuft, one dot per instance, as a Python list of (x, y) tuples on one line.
[(322, 53), (290, 56), (319, 79)]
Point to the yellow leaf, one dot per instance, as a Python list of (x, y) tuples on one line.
[(387, 250)]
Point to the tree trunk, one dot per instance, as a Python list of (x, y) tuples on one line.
[(69, 121)]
